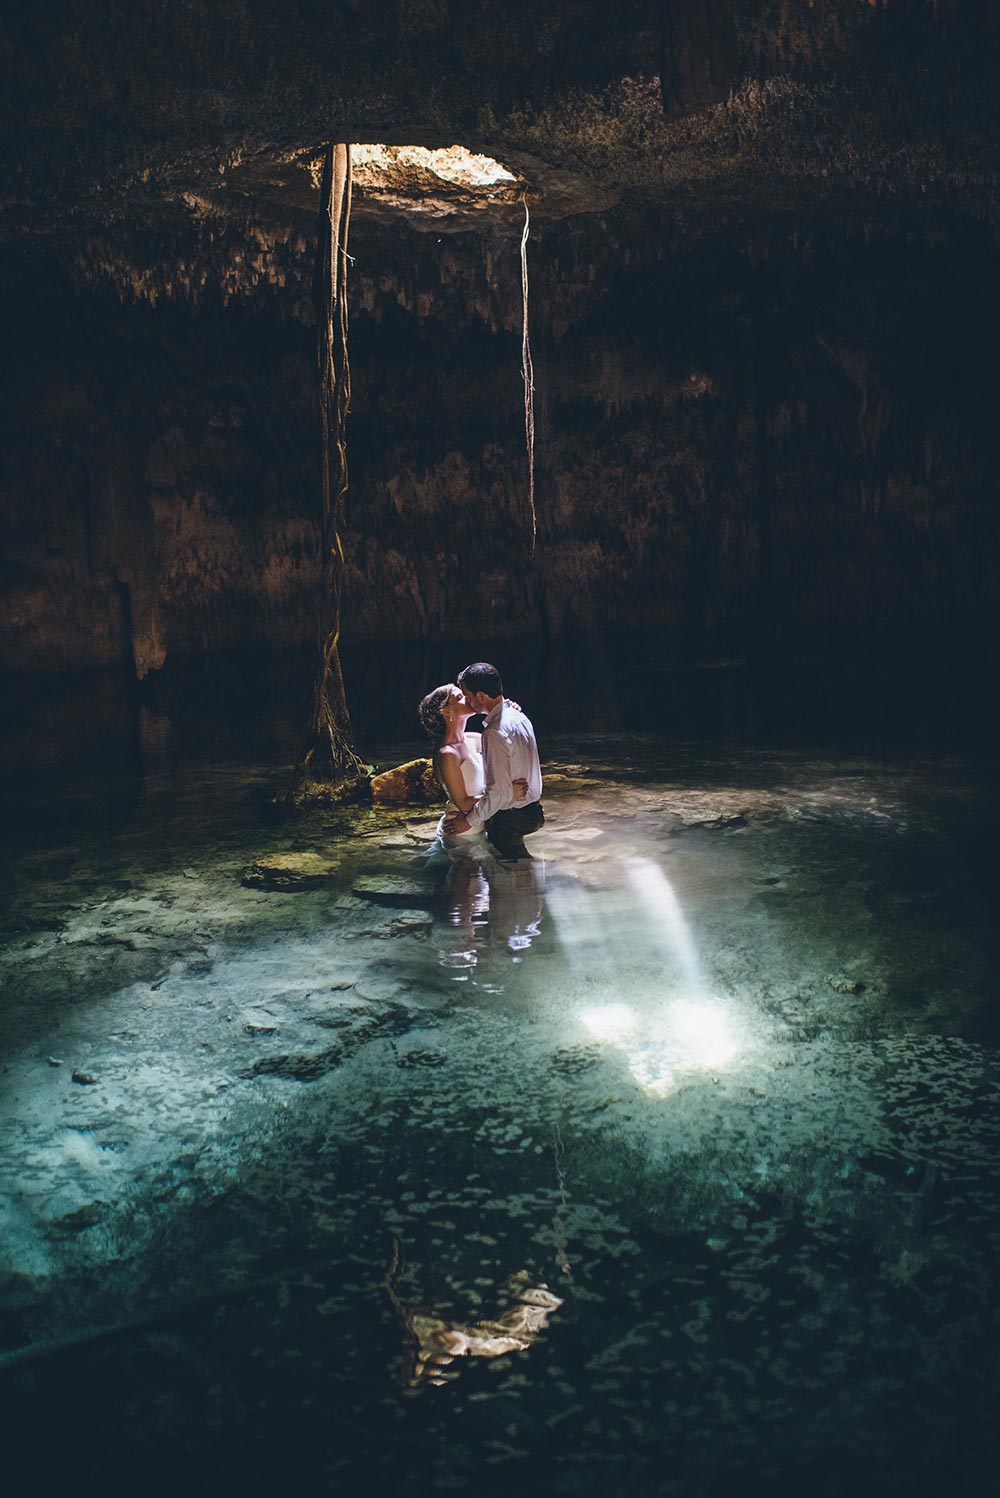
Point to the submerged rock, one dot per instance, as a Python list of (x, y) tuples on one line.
[(83, 1217), (411, 922), (846, 985), (392, 888), (411, 784), (299, 1068), (289, 871), (310, 1066)]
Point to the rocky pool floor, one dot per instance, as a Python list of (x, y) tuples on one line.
[(665, 1162)]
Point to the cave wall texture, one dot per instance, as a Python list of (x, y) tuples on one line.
[(763, 322), (725, 441)]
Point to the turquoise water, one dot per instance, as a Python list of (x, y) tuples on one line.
[(664, 1162)]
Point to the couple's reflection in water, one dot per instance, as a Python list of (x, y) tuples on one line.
[(494, 914), (494, 907)]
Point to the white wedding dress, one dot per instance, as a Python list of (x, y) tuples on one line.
[(474, 780)]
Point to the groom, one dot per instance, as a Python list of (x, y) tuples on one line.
[(509, 753)]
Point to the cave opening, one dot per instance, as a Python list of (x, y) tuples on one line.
[(378, 166)]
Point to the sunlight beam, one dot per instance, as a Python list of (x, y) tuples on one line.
[(657, 895)]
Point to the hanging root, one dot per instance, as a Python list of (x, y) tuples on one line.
[(331, 756), (528, 374)]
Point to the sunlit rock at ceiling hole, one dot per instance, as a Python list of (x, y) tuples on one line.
[(373, 164)]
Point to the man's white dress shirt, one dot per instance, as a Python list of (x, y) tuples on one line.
[(510, 753)]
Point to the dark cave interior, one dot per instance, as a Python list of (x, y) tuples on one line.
[(762, 324), (703, 1100)]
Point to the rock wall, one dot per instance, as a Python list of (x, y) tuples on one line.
[(737, 439), (763, 260)]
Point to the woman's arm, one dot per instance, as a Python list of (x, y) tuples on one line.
[(449, 768)]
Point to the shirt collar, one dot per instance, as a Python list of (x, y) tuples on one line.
[(493, 716)]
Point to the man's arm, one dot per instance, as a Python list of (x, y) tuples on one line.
[(499, 793), (457, 821)]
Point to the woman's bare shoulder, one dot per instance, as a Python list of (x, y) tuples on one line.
[(446, 749)]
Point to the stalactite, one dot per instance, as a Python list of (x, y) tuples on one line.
[(528, 373)]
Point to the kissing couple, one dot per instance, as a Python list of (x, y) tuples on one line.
[(492, 780)]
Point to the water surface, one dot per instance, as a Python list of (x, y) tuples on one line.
[(663, 1162)]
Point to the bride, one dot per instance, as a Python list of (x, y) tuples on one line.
[(458, 758)]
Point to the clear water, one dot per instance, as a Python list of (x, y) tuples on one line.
[(665, 1162)]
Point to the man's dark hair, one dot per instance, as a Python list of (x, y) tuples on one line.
[(482, 677)]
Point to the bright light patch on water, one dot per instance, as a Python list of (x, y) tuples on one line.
[(675, 1025), (687, 1035), (702, 1032), (611, 1022)]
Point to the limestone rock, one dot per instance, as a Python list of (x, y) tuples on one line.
[(411, 784), (396, 923), (565, 781), (846, 985), (411, 923), (306, 795), (289, 871), (392, 889)]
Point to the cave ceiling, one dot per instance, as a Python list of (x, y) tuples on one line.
[(156, 120)]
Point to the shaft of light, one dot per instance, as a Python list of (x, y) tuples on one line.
[(657, 895)]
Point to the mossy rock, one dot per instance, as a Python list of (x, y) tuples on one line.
[(305, 794), (412, 784), (289, 871)]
